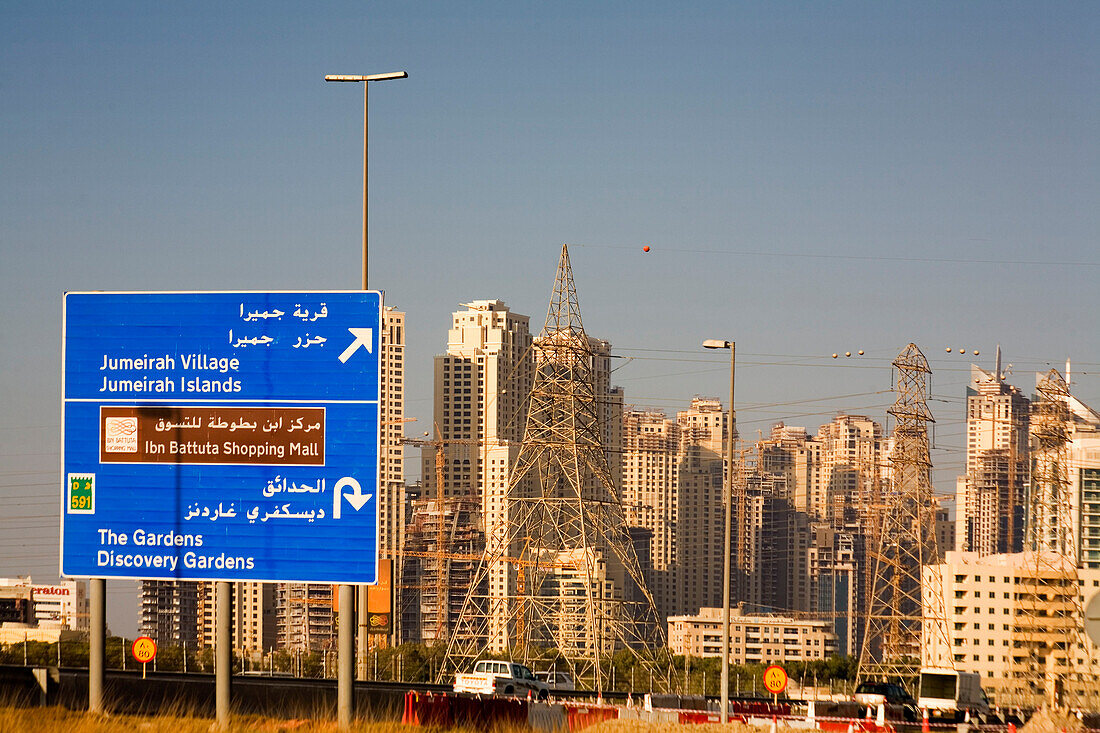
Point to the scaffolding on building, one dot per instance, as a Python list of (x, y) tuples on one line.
[(1047, 664), (442, 546)]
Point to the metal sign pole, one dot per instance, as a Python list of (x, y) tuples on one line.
[(345, 658), (223, 658), (362, 638), (97, 601)]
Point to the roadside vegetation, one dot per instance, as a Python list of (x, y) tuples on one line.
[(52, 719), (421, 663)]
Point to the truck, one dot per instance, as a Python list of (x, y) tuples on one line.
[(494, 677), (952, 695)]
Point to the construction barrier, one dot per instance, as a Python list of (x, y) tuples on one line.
[(444, 710), (546, 717), (582, 716), (448, 711), (692, 717)]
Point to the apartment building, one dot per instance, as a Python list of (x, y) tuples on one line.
[(754, 639), (252, 624), (305, 616), (482, 385), (672, 486), (1015, 619), (170, 612)]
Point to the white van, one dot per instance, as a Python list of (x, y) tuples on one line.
[(950, 694)]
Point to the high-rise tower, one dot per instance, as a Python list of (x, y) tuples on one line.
[(169, 611), (989, 499), (481, 388), (672, 487)]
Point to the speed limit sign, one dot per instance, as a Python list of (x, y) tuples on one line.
[(144, 650), (775, 679)]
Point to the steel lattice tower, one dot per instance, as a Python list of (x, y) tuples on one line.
[(1051, 614), (900, 608), (560, 575)]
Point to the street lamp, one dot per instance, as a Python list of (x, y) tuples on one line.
[(345, 659), (365, 79), (730, 428)]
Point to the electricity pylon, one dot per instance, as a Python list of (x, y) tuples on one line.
[(901, 608), (560, 576)]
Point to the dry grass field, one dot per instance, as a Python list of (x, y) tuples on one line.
[(60, 720), (635, 726)]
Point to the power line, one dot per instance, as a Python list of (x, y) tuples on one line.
[(844, 257)]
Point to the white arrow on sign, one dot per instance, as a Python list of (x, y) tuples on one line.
[(356, 498), (363, 337)]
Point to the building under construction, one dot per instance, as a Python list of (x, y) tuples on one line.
[(443, 545), (305, 616)]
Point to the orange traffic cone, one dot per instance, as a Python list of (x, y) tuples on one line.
[(924, 726)]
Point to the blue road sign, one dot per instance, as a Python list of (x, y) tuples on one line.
[(221, 436)]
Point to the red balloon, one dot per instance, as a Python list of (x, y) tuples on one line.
[(645, 248)]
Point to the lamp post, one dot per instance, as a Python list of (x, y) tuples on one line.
[(345, 660), (366, 79), (727, 539)]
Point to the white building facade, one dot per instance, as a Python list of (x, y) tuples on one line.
[(754, 639)]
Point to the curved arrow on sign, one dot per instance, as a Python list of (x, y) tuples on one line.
[(356, 498)]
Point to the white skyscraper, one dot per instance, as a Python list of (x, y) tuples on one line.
[(482, 384), (990, 497)]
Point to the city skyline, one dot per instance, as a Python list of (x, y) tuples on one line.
[(809, 181)]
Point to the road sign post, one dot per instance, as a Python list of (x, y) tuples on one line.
[(97, 643), (223, 652), (228, 437)]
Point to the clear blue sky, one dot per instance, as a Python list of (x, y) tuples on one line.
[(811, 178)]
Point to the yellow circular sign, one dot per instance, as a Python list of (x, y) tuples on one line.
[(144, 649), (775, 679)]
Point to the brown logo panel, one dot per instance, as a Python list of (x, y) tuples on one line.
[(290, 436)]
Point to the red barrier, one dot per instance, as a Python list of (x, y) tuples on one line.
[(448, 711), (688, 717), (851, 725), (582, 716)]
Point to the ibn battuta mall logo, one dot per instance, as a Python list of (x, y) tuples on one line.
[(120, 435)]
